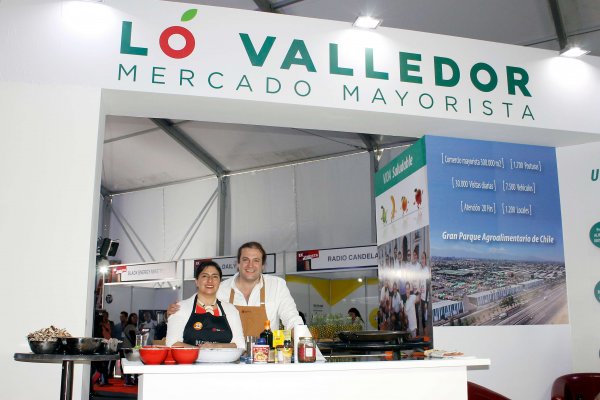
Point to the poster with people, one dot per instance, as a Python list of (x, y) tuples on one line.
[(403, 245)]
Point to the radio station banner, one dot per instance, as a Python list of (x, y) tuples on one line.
[(229, 265), (342, 258), (144, 272)]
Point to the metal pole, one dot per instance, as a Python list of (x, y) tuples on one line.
[(66, 380)]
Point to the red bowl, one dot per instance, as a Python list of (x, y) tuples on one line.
[(185, 355), (153, 355)]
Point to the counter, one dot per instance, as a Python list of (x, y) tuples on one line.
[(415, 379)]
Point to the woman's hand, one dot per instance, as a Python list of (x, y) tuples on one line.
[(173, 308)]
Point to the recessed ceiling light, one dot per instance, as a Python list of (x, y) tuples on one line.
[(573, 51), (366, 22)]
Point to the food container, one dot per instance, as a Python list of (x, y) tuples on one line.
[(45, 346), (307, 350), (185, 355), (130, 354), (260, 352), (219, 355), (153, 355), (82, 345)]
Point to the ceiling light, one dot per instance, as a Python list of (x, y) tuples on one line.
[(573, 51), (366, 22)]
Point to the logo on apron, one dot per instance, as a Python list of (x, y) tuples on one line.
[(198, 325)]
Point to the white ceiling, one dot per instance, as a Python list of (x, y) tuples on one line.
[(138, 154)]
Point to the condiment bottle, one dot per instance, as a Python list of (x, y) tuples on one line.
[(268, 334), (307, 352), (287, 351)]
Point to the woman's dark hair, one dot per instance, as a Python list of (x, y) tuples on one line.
[(130, 318), (205, 264), (355, 311), (252, 245)]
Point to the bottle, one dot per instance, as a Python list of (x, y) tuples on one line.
[(268, 334), (287, 351)]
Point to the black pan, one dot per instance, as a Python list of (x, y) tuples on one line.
[(370, 336)]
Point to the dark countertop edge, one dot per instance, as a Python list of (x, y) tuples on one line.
[(31, 357)]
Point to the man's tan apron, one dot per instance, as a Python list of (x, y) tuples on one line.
[(253, 318)]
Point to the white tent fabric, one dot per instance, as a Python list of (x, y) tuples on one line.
[(320, 204)]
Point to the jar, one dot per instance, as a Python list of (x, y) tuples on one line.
[(260, 352), (307, 350)]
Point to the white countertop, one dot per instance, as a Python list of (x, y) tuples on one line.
[(137, 367)]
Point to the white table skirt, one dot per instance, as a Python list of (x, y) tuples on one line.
[(409, 379)]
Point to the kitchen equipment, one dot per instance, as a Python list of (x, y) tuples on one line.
[(153, 355), (45, 346), (371, 336), (82, 345), (219, 355), (185, 355)]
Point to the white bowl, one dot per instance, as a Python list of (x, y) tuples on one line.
[(219, 355)]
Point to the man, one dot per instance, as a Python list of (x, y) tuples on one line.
[(257, 297), (118, 328)]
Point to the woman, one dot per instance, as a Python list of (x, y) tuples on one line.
[(130, 331), (202, 320), (354, 314)]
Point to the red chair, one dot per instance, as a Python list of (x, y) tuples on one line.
[(581, 386), (478, 392)]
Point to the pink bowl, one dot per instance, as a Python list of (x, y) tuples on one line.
[(185, 355), (153, 355)]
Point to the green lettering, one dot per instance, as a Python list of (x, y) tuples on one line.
[(351, 93), (155, 75), (133, 69), (269, 80), (257, 59), (484, 87), (186, 78), (307, 89), (406, 68), (244, 83), (126, 47), (401, 97), (370, 71), (486, 105), (334, 67), (438, 65), (451, 104), (527, 113), (507, 109), (378, 96), (521, 82), (210, 83), (298, 47), (426, 95)]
